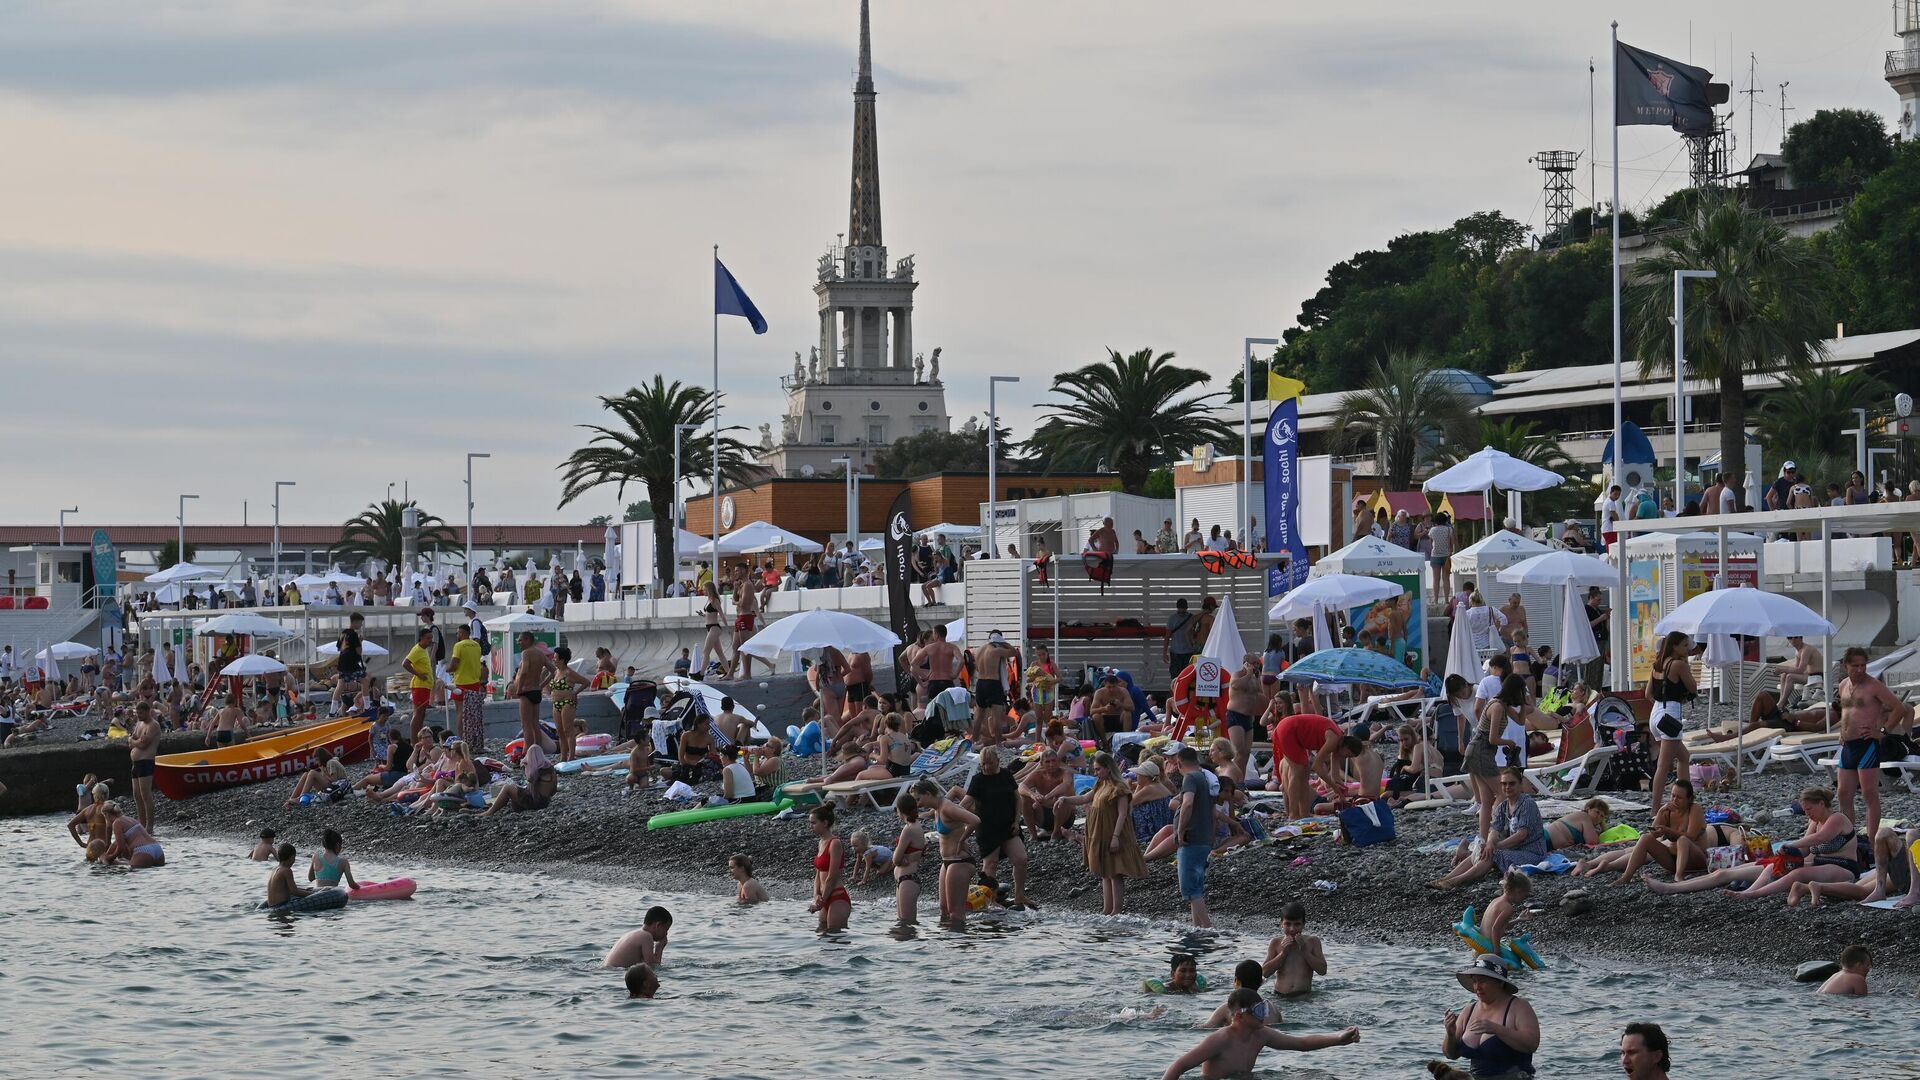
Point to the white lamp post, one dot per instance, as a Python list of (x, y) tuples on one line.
[(1243, 504), (659, 586), (1680, 278), (993, 463), (180, 552), (63, 524), (470, 458), (274, 577)]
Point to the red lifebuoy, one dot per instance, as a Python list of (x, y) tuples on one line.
[(1182, 703)]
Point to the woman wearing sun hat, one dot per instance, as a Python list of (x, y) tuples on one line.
[(1497, 1033)]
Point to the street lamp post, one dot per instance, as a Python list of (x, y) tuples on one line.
[(674, 537), (273, 579), (63, 524), (470, 458), (1243, 504), (846, 463), (180, 551), (993, 463), (1680, 278)]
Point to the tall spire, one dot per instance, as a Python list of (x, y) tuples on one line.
[(863, 226)]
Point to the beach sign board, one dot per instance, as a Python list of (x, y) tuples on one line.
[(1206, 677)]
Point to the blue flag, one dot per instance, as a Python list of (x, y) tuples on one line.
[(1280, 465), (730, 299)]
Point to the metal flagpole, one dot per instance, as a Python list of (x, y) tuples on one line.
[(713, 559), (1618, 621)]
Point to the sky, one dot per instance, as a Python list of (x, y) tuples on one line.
[(346, 244)]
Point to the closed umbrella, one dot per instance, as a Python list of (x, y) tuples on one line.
[(1577, 643), (1223, 642), (180, 665), (1322, 628), (1463, 657)]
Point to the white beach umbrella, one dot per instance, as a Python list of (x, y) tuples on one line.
[(514, 622), (243, 622), (1577, 643), (957, 629), (253, 664), (759, 536), (1463, 658), (367, 648), (184, 571), (1223, 641), (337, 576), (1744, 610), (1561, 568), (49, 665), (1490, 468), (180, 665), (673, 684), (1333, 592), (67, 650), (817, 629)]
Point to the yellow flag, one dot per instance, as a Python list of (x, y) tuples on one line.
[(1281, 388)]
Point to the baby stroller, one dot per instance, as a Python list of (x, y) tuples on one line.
[(642, 694)]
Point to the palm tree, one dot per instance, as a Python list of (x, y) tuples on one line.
[(636, 447), (1127, 415), (1798, 420), (375, 533), (1405, 413), (1767, 308)]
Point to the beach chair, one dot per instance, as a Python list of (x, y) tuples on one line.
[(1580, 776), (1801, 751), (1749, 756), (1907, 771), (950, 765)]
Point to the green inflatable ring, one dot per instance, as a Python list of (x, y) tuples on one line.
[(714, 813)]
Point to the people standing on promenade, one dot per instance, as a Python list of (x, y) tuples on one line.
[(1867, 710), (529, 678), (143, 743)]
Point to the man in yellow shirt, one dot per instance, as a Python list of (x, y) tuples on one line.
[(419, 665), (470, 686)]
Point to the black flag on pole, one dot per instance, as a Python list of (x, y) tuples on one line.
[(899, 555), (1651, 89)]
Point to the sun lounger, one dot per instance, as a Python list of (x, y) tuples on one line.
[(1907, 771), (1750, 755), (1580, 776), (1801, 751), (954, 764)]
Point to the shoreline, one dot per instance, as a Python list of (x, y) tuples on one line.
[(594, 832)]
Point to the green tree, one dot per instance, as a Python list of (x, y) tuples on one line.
[(1876, 249), (636, 447), (1159, 483), (638, 511), (1127, 415), (1837, 148), (599, 521), (374, 533), (1561, 310), (1766, 309), (1404, 414), (1801, 419), (933, 452), (170, 554)]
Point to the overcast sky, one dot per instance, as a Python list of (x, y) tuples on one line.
[(344, 244)]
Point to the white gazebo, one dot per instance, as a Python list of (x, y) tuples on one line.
[(1481, 562), (1402, 618)]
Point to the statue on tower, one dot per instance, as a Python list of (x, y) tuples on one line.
[(933, 367), (766, 436), (919, 367), (788, 427), (813, 363), (903, 270), (826, 267), (971, 427), (799, 373)]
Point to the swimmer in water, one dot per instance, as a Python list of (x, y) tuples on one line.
[(281, 887), (1184, 978), (750, 891), (1294, 957), (263, 847), (645, 945), (642, 982), (1235, 1048), (329, 866), (1247, 975)]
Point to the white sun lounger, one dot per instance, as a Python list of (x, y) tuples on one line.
[(1802, 751), (1749, 755), (1581, 775), (1908, 771)]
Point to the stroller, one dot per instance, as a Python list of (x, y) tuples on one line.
[(642, 694)]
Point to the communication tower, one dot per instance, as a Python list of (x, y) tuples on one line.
[(1556, 171)]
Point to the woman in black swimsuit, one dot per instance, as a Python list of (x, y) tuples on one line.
[(712, 650)]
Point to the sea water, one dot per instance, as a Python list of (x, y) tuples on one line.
[(173, 972)]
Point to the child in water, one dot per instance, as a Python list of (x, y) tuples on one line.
[(1183, 976), (1296, 956), (280, 884), (869, 858), (750, 891), (1246, 976), (262, 848), (329, 866), (1498, 918), (1851, 979), (642, 981)]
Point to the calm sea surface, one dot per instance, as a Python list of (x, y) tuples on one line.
[(171, 973)]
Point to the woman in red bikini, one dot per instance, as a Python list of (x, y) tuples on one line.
[(830, 896)]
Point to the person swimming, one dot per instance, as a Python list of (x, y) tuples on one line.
[(329, 866)]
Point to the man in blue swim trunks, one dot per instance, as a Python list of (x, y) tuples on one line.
[(1246, 700), (1867, 710), (1194, 826)]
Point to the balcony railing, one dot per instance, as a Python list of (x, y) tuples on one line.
[(1903, 62)]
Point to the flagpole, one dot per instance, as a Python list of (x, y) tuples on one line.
[(1618, 620), (713, 559)]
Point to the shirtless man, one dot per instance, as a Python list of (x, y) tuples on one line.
[(864, 725), (1867, 710), (910, 676), (1807, 662), (529, 679), (1296, 956), (1110, 708), (645, 945), (746, 616), (990, 689), (1233, 1050), (142, 745), (1105, 540), (859, 676), (735, 727), (226, 722), (832, 672), (941, 661), (1246, 700)]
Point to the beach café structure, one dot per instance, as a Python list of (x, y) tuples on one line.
[(1838, 560)]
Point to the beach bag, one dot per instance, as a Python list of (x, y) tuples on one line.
[(1367, 824), (1726, 858), (1704, 773)]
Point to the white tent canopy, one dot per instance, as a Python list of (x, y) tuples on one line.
[(1370, 555), (817, 629), (185, 571), (367, 648), (67, 650), (1490, 468), (243, 622), (1501, 548), (758, 536), (1560, 568), (951, 531), (519, 620), (1333, 592), (253, 664)]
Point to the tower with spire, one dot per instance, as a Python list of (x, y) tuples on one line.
[(861, 386)]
